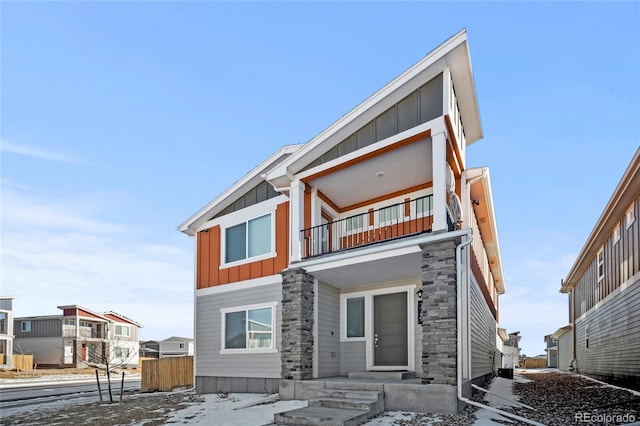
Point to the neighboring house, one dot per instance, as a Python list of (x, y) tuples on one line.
[(511, 351), (6, 331), (501, 338), (79, 337), (176, 346), (371, 249), (551, 350), (604, 289), (565, 347), (150, 349)]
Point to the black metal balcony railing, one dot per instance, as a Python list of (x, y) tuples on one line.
[(394, 221)]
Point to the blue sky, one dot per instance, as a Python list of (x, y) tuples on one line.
[(119, 120)]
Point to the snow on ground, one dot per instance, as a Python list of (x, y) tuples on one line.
[(237, 409), (500, 396)]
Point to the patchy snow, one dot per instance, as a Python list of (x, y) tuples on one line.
[(237, 409), (500, 396)]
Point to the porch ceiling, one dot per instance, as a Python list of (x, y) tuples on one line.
[(370, 270), (402, 168)]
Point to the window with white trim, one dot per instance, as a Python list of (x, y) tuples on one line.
[(180, 345), (388, 215), (248, 239), (25, 326), (616, 233), (354, 223), (354, 317), (248, 328), (121, 353), (600, 261), (424, 205), (122, 330), (630, 217)]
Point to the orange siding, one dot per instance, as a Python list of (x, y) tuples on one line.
[(307, 208), (208, 270), (281, 261)]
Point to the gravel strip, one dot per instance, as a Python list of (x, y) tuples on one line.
[(569, 399)]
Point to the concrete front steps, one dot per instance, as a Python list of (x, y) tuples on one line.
[(335, 407)]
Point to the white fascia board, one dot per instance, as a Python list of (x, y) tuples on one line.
[(623, 195), (84, 309), (430, 59), (374, 252), (462, 74), (497, 270), (252, 178)]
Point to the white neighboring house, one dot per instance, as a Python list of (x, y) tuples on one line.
[(511, 351), (6, 331), (176, 346)]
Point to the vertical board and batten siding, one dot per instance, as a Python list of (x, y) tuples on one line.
[(208, 270), (614, 335), (483, 333), (606, 310), (565, 351), (621, 262), (50, 327), (328, 339), (210, 362)]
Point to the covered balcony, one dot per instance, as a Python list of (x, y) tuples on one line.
[(398, 220)]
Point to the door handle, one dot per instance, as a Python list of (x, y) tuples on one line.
[(375, 340)]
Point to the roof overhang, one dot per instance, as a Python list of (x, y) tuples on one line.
[(480, 190), (625, 193), (95, 316), (452, 54), (250, 180), (561, 331), (114, 315)]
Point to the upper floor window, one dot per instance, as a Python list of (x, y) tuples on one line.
[(630, 217), (69, 321), (248, 239), (122, 353), (616, 234), (180, 345), (25, 326), (122, 330), (600, 264)]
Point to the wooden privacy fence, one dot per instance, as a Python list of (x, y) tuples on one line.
[(167, 373), (23, 362), (534, 363)]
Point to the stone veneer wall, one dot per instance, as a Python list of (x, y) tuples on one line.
[(297, 325), (439, 304)]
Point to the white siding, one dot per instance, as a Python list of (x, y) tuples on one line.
[(210, 362), (328, 331), (614, 335), (565, 350), (483, 334)]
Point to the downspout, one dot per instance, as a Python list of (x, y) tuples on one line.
[(459, 248)]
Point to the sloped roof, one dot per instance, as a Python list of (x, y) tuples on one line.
[(625, 193), (453, 53), (248, 181), (117, 317)]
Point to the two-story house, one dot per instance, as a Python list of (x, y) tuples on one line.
[(79, 337), (604, 289), (175, 346), (370, 251), (551, 349), (6, 331)]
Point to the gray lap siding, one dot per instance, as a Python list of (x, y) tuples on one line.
[(483, 334), (208, 335), (613, 330), (328, 337)]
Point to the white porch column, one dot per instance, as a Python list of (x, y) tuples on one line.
[(296, 219), (439, 166)]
